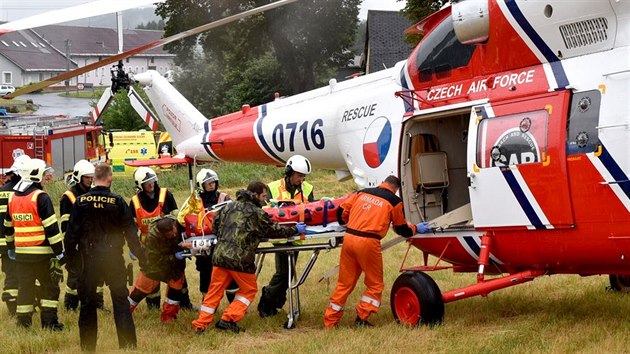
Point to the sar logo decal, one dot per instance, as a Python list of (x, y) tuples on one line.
[(377, 141)]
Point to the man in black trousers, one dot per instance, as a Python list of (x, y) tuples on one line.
[(99, 225)]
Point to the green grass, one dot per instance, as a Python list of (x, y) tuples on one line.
[(557, 314), (79, 94)]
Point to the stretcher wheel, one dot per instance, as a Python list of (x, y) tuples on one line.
[(619, 282), (289, 325), (416, 299)]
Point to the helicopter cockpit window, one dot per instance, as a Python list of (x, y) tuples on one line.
[(582, 135), (513, 139), (441, 51)]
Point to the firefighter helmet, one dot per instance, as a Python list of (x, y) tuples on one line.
[(18, 164), (144, 175), (297, 163), (34, 170), (206, 175), (81, 168)]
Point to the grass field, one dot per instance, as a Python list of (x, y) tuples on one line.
[(556, 314)]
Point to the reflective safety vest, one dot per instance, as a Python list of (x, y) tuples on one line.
[(70, 196), (4, 201), (144, 218), (29, 236), (279, 192)]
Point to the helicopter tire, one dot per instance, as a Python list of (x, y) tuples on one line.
[(619, 282), (416, 299)]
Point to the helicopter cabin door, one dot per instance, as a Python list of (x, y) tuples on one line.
[(517, 163)]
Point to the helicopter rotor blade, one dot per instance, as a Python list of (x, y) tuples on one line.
[(70, 74), (94, 8)]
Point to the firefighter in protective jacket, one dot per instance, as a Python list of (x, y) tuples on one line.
[(290, 189), (239, 227), (80, 183), (165, 262), (10, 291), (35, 242), (149, 204), (208, 189), (368, 214), (99, 226)]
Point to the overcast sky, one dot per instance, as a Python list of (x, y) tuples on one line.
[(11, 10)]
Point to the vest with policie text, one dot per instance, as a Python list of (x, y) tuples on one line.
[(279, 192), (145, 218), (29, 236)]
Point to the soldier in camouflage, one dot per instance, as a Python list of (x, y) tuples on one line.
[(165, 262), (239, 227)]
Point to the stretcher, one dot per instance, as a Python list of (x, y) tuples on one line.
[(317, 238)]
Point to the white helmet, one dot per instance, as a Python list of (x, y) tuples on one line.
[(18, 164), (206, 175), (297, 163), (34, 170), (81, 168), (144, 175)]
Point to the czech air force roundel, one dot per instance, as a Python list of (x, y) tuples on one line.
[(376, 142)]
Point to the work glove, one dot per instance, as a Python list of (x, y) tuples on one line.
[(180, 255), (423, 227), (11, 254), (301, 227), (56, 273)]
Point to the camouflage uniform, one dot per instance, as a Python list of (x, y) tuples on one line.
[(161, 262), (239, 228)]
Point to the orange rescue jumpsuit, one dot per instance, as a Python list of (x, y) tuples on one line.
[(368, 214)]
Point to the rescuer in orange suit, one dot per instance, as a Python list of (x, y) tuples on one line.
[(368, 214)]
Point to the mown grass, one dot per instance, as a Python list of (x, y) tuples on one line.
[(557, 314)]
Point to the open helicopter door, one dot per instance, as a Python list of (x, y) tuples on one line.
[(517, 163)]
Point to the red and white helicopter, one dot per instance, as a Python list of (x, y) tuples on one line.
[(509, 134)]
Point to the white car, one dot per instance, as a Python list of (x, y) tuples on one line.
[(6, 89)]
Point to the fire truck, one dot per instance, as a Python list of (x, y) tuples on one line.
[(59, 140)]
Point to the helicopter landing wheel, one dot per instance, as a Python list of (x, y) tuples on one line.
[(416, 299), (619, 282)]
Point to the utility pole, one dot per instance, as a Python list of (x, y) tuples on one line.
[(67, 63)]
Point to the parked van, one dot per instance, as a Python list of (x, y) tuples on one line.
[(6, 89)]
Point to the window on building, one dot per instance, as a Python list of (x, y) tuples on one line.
[(34, 44), (127, 60), (7, 77), (152, 60), (42, 44), (15, 43), (5, 43), (23, 45)]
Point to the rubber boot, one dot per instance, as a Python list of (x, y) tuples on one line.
[(25, 320), (71, 302), (11, 306), (169, 312)]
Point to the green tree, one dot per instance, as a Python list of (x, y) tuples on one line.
[(306, 38), (416, 10), (119, 114), (152, 25)]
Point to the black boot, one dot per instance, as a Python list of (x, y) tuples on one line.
[(228, 326), (266, 306), (24, 320), (53, 326), (11, 306), (360, 323), (71, 302), (153, 303)]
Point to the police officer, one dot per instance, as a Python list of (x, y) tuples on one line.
[(290, 189), (368, 214), (12, 177), (99, 225), (208, 188), (80, 183), (35, 242), (149, 204)]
